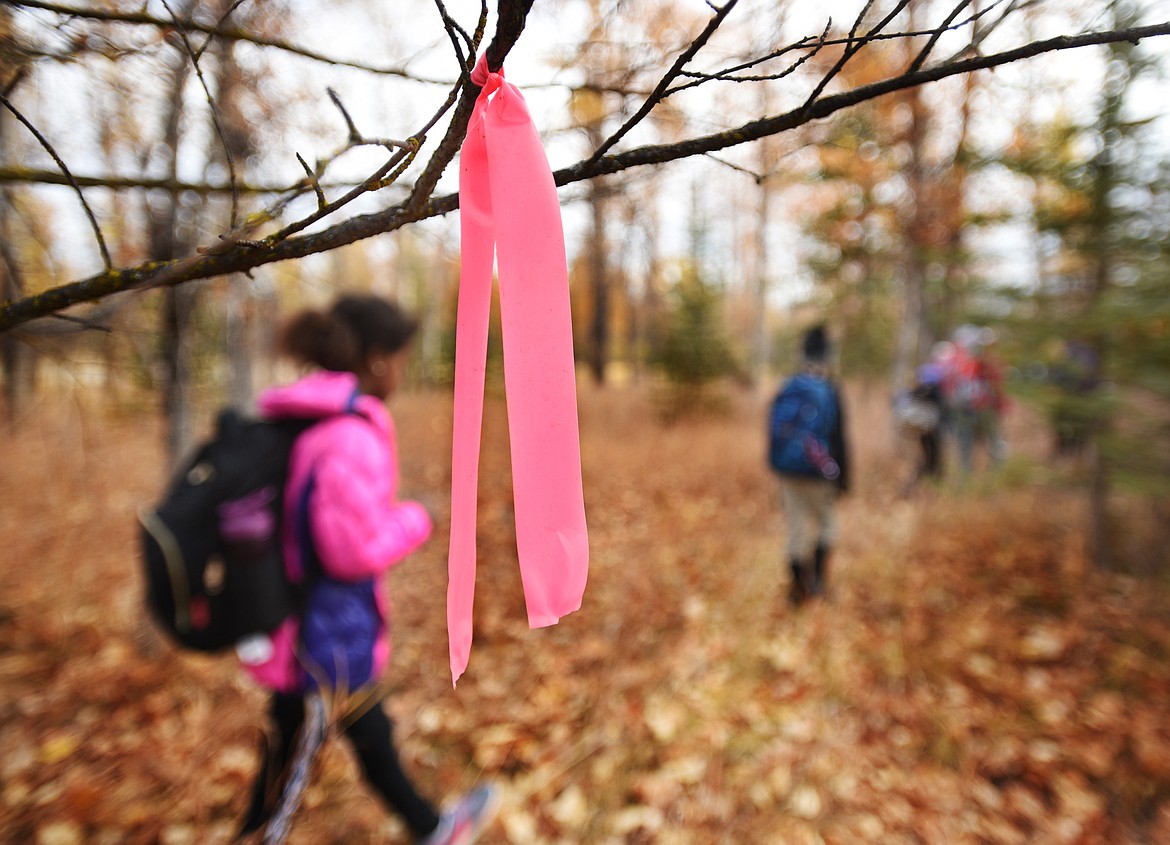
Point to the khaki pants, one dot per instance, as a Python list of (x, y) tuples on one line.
[(811, 507)]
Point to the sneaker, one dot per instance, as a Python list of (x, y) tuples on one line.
[(463, 823)]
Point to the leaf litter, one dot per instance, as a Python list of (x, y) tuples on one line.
[(973, 680)]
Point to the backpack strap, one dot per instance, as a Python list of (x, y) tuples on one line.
[(310, 565), (310, 562)]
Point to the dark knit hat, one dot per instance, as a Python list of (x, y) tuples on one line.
[(816, 344)]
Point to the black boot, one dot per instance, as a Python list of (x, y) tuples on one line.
[(820, 571), (798, 586)]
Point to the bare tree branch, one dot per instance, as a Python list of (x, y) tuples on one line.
[(18, 77), (44, 142), (13, 277), (922, 56), (982, 33), (222, 18), (237, 256), (355, 137), (373, 182), (29, 175), (754, 130), (454, 32), (312, 177), (218, 31), (661, 89), (512, 16), (813, 46), (854, 45), (227, 148)]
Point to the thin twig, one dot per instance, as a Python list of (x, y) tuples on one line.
[(758, 178), (462, 97), (920, 59), (13, 286), (981, 35), (816, 44), (12, 175), (355, 137), (219, 23), (17, 78), (855, 45), (453, 29), (731, 74), (83, 323), (402, 154), (370, 183), (143, 19), (663, 85), (227, 149), (390, 179), (44, 142), (313, 181)]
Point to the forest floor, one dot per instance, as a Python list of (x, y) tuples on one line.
[(971, 680)]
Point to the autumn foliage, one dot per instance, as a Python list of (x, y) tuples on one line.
[(971, 681)]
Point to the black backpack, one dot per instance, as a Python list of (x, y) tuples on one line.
[(212, 548)]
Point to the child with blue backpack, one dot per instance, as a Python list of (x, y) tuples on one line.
[(807, 450), (344, 528)]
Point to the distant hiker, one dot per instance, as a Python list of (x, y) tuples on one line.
[(807, 450), (919, 412), (344, 528), (974, 396)]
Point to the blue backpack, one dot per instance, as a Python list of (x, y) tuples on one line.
[(804, 414)]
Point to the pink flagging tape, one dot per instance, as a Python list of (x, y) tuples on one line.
[(509, 210)]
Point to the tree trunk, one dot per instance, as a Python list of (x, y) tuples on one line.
[(180, 303), (17, 359), (1102, 222), (599, 280), (179, 300), (240, 349), (649, 319), (910, 330), (761, 348), (944, 316), (760, 345), (1100, 547), (237, 143), (431, 294)]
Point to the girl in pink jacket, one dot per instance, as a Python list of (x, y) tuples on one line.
[(344, 529)]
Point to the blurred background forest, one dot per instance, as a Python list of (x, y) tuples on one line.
[(1010, 630)]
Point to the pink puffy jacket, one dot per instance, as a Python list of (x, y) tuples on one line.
[(359, 528)]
